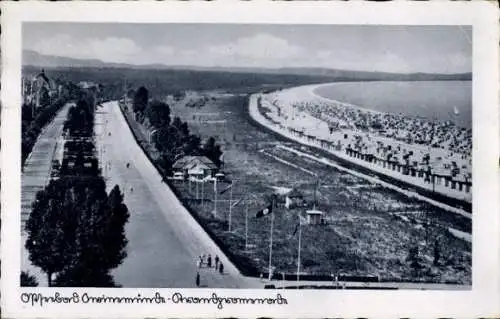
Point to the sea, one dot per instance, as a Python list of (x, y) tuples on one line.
[(442, 100)]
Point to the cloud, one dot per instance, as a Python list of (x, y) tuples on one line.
[(164, 49), (391, 62), (257, 48), (109, 49)]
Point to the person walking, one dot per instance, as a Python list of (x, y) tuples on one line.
[(216, 262), (221, 268), (209, 261), (197, 279)]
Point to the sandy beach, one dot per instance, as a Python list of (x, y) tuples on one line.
[(433, 155)]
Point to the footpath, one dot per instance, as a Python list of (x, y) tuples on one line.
[(35, 176), (167, 256)]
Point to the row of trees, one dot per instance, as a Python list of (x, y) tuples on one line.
[(172, 138), (34, 119), (80, 119), (76, 231)]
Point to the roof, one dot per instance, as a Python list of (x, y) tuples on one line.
[(189, 161), (205, 160), (43, 76), (196, 166), (183, 161)]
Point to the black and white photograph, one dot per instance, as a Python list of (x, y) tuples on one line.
[(281, 157), (254, 157)]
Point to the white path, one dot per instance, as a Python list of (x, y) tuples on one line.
[(164, 239)]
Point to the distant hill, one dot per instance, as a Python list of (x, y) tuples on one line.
[(32, 58), (365, 75), (35, 59)]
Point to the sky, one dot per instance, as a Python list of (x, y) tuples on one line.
[(402, 49)]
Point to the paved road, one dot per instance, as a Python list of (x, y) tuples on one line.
[(35, 175), (164, 240)]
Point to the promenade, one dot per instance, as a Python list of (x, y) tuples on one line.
[(164, 240)]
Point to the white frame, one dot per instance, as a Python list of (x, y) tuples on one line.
[(481, 301)]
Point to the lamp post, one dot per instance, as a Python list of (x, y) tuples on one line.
[(298, 250), (271, 240), (230, 203)]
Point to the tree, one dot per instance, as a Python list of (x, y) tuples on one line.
[(115, 239), (182, 127), (140, 100), (46, 241), (130, 93), (77, 232), (28, 280), (82, 276), (158, 114), (44, 97), (212, 150), (26, 113), (192, 145), (81, 118)]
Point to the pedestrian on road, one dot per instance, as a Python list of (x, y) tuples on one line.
[(197, 279), (216, 261), (209, 261), (200, 261), (221, 269)]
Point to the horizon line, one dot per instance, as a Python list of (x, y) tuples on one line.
[(145, 66)]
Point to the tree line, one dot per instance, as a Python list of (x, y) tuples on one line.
[(76, 231), (34, 119), (173, 138)]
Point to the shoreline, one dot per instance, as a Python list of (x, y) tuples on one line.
[(311, 88), (300, 111), (361, 167)]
